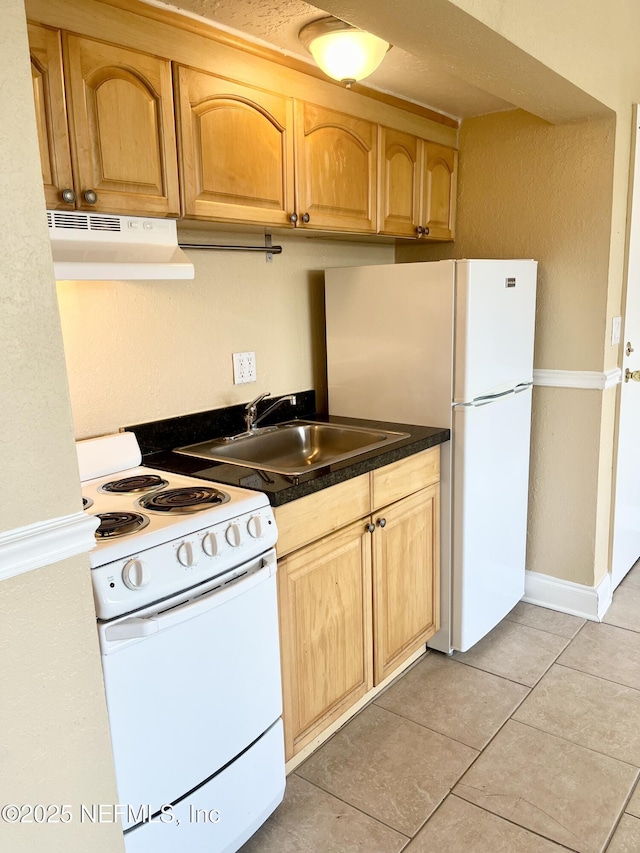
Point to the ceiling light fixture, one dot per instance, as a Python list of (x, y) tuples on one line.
[(342, 51)]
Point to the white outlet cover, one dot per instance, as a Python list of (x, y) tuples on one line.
[(616, 328), (244, 367)]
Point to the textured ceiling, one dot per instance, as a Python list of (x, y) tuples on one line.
[(419, 77), (442, 57)]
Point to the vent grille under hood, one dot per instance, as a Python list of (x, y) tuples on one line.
[(94, 246)]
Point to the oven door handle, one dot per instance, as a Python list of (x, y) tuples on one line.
[(218, 594)]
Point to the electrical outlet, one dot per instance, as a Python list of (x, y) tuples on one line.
[(244, 367)]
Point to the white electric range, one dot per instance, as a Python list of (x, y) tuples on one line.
[(184, 580)]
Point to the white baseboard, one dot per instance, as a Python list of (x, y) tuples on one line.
[(590, 379), (588, 602), (45, 543)]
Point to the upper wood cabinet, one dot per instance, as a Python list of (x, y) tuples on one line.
[(439, 190), (236, 149), (122, 129), (248, 155), (336, 170), (106, 126), (51, 117), (399, 183), (416, 187)]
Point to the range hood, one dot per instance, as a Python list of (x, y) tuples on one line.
[(97, 246)]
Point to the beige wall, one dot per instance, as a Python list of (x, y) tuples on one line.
[(139, 351), (54, 742), (32, 371)]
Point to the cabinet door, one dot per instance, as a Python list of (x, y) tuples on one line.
[(335, 170), (326, 633), (439, 191), (236, 145), (406, 568), (51, 116), (122, 128), (399, 183)]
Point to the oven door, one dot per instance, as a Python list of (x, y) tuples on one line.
[(190, 687)]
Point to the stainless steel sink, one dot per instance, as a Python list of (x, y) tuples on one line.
[(294, 448)]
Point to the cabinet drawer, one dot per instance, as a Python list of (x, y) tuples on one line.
[(405, 477), (307, 519)]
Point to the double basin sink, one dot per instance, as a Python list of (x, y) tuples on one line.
[(294, 448)]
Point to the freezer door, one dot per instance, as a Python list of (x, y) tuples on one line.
[(489, 526), (495, 320)]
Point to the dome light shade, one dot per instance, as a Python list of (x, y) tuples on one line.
[(343, 52)]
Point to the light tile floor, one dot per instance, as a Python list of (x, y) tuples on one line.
[(527, 743)]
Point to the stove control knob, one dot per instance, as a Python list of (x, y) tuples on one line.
[(210, 544), (254, 526), (186, 555), (135, 574), (233, 536)]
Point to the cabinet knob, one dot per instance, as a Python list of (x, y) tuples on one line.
[(381, 522), (68, 195), (425, 231), (305, 218), (90, 196), (370, 527), (419, 230), (293, 218)]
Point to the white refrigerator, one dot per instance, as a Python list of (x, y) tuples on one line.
[(449, 344)]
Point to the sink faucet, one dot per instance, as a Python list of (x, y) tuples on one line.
[(251, 418)]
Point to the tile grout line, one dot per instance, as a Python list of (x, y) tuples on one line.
[(616, 824), (357, 808)]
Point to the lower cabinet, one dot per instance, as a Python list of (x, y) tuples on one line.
[(406, 559), (325, 617), (358, 601)]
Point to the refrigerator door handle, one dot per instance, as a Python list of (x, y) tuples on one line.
[(486, 399)]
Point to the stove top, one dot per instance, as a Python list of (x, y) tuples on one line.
[(162, 533), (136, 520)]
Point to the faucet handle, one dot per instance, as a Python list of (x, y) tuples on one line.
[(257, 400)]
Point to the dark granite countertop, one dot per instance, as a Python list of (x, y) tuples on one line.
[(281, 489)]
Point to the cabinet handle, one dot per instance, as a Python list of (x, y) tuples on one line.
[(305, 218), (293, 218), (381, 522), (419, 230), (425, 231), (68, 195), (370, 527), (90, 196)]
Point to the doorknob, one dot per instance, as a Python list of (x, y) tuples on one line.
[(629, 349), (632, 374)]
